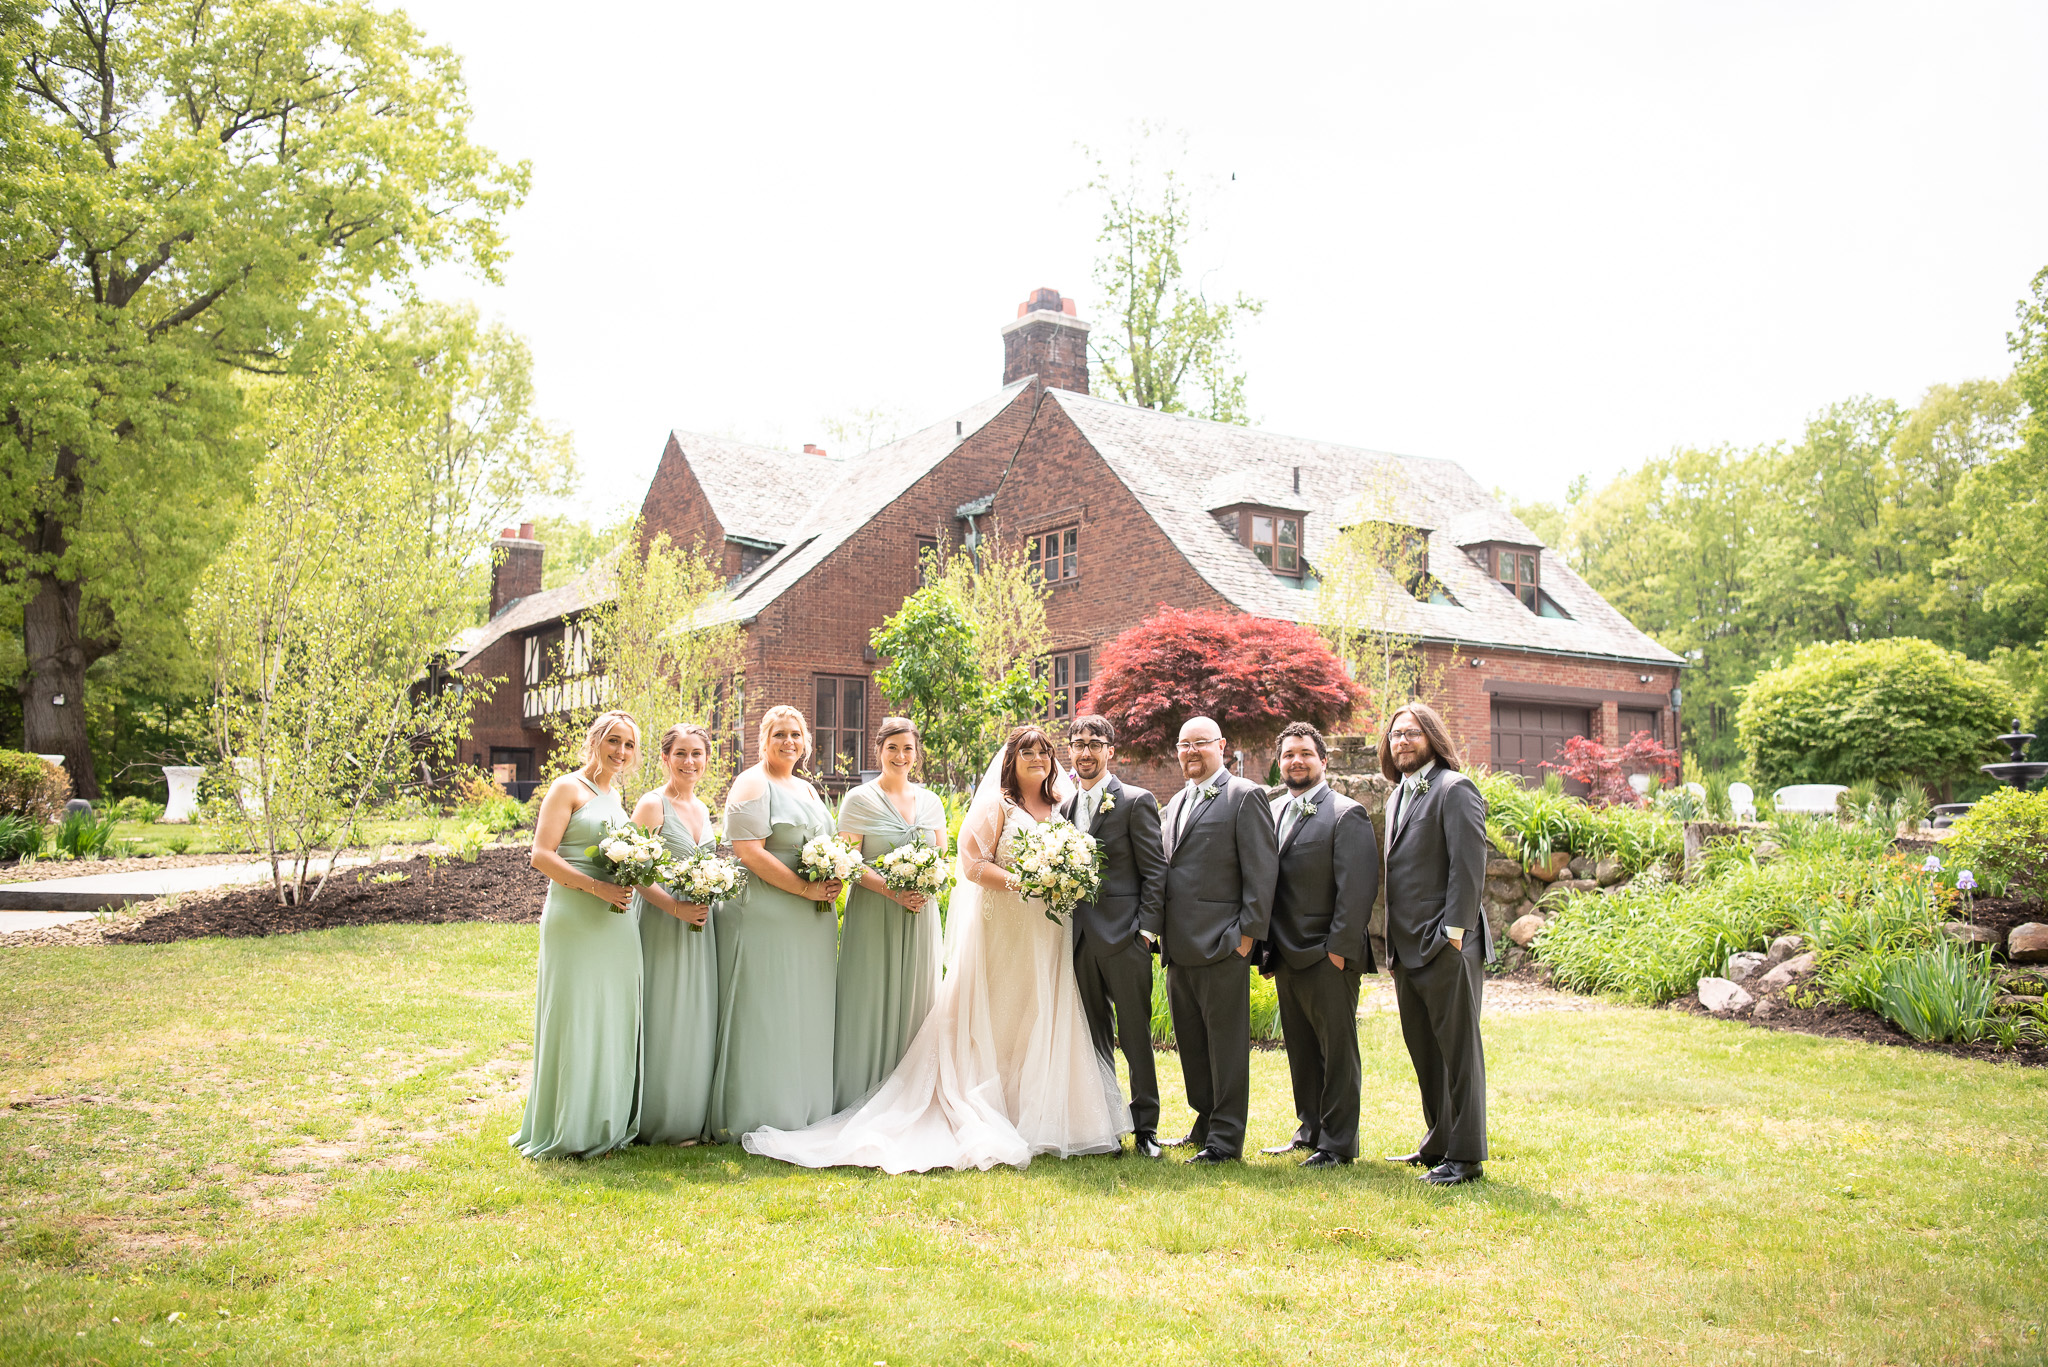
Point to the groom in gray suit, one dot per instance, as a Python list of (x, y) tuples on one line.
[(1438, 937), (1221, 860), (1112, 958)]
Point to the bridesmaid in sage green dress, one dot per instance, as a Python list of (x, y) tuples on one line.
[(679, 964), (585, 1096), (889, 942), (775, 949)]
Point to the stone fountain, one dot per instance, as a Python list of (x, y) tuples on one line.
[(2019, 771)]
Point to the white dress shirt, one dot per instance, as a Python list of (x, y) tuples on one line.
[(1085, 804)]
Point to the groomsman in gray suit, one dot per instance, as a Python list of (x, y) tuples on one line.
[(1437, 937), (1317, 945), (1112, 958), (1221, 858)]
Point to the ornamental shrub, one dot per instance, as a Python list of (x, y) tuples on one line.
[(33, 787), (1606, 772), (1847, 711), (2005, 834)]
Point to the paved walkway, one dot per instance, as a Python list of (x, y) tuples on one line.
[(54, 901)]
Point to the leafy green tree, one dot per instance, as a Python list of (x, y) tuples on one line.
[(1162, 344), (1369, 575), (1855, 711), (318, 620), (192, 194)]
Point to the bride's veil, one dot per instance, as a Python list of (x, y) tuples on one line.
[(980, 833)]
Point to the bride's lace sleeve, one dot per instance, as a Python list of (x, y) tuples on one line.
[(980, 833)]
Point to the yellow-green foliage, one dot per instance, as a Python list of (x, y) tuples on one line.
[(2007, 834)]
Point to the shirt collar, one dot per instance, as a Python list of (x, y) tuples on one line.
[(1409, 781)]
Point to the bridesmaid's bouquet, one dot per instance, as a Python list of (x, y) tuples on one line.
[(630, 856), (826, 859), (1059, 866), (914, 867), (704, 878)]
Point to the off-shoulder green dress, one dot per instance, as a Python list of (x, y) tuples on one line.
[(678, 1009), (585, 1098), (888, 957), (775, 972)]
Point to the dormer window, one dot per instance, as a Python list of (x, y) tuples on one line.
[(1276, 541), (1518, 569)]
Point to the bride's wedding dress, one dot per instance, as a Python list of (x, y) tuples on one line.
[(1003, 1067)]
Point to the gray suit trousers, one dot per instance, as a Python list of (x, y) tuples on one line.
[(1212, 1027), (1439, 1005), (1116, 994), (1319, 1016)]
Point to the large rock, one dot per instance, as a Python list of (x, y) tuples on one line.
[(1580, 867), (1576, 885), (1502, 891), (1783, 948), (1503, 868), (1608, 872), (2027, 944), (1524, 931), (1965, 933), (1720, 996), (1744, 964), (1789, 972), (1551, 869)]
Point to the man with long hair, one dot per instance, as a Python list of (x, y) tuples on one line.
[(1438, 940)]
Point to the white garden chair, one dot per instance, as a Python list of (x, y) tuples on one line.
[(1741, 802)]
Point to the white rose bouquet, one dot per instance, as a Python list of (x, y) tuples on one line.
[(706, 877), (629, 856), (826, 859), (914, 867), (1059, 866)]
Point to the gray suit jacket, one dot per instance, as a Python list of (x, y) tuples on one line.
[(1219, 874), (1329, 875), (1436, 868), (1133, 869)]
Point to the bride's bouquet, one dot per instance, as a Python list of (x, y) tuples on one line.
[(630, 856), (1059, 866), (826, 859), (706, 877), (914, 867)]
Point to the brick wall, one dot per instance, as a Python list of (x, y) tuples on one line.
[(676, 504), (497, 721)]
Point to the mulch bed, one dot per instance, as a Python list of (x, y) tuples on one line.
[(499, 887)]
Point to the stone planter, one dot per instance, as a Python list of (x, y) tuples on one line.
[(184, 784)]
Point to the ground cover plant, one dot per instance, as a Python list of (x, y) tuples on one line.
[(294, 1149)]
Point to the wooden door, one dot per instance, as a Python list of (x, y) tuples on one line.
[(1527, 733)]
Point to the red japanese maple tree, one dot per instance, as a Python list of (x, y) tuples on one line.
[(1607, 771), (1252, 675)]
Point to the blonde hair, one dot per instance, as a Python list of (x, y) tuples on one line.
[(601, 726), (779, 713), (682, 729)]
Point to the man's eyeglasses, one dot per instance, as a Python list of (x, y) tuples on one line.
[(1198, 744), (1405, 733), (1088, 745)]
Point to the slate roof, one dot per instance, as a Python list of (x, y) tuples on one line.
[(586, 590), (757, 491), (1176, 466)]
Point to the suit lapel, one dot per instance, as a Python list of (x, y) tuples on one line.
[(1294, 832), (1413, 809), (1202, 805)]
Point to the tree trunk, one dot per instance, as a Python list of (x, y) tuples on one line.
[(53, 693)]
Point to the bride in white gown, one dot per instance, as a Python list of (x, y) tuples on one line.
[(1003, 1067)]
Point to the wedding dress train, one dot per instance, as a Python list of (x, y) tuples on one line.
[(1003, 1068)]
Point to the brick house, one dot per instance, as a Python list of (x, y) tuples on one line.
[(1124, 509)]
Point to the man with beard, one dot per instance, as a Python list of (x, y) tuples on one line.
[(1316, 945), (1437, 937)]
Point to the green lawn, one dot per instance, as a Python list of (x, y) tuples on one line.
[(297, 1146)]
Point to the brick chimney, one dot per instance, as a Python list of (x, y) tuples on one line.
[(1047, 340), (515, 566)]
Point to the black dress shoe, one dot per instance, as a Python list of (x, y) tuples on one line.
[(1206, 1157), (1145, 1146), (1289, 1147), (1451, 1172), (1323, 1158), (1418, 1159), (1179, 1143)]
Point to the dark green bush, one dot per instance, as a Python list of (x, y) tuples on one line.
[(138, 809), (33, 787)]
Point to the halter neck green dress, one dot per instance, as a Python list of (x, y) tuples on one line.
[(775, 973), (888, 957), (585, 1098), (678, 1009)]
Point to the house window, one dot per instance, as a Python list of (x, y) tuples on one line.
[(927, 556), (1066, 676), (1276, 541), (1516, 570), (838, 723), (1055, 556)]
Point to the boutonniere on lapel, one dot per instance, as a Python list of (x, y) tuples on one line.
[(1208, 790), (1108, 803), (1421, 786), (1303, 809)]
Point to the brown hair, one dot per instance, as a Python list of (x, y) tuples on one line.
[(1302, 728), (899, 726), (1433, 730), (776, 714), (1019, 738), (682, 729), (1091, 724)]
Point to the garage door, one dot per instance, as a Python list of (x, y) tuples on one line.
[(1527, 733), (1633, 720)]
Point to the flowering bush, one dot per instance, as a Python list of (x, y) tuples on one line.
[(1606, 771)]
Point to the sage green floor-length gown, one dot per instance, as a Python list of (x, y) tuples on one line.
[(888, 957), (585, 1097), (775, 978), (678, 1010)]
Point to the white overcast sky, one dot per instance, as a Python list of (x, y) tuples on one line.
[(1537, 239)]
